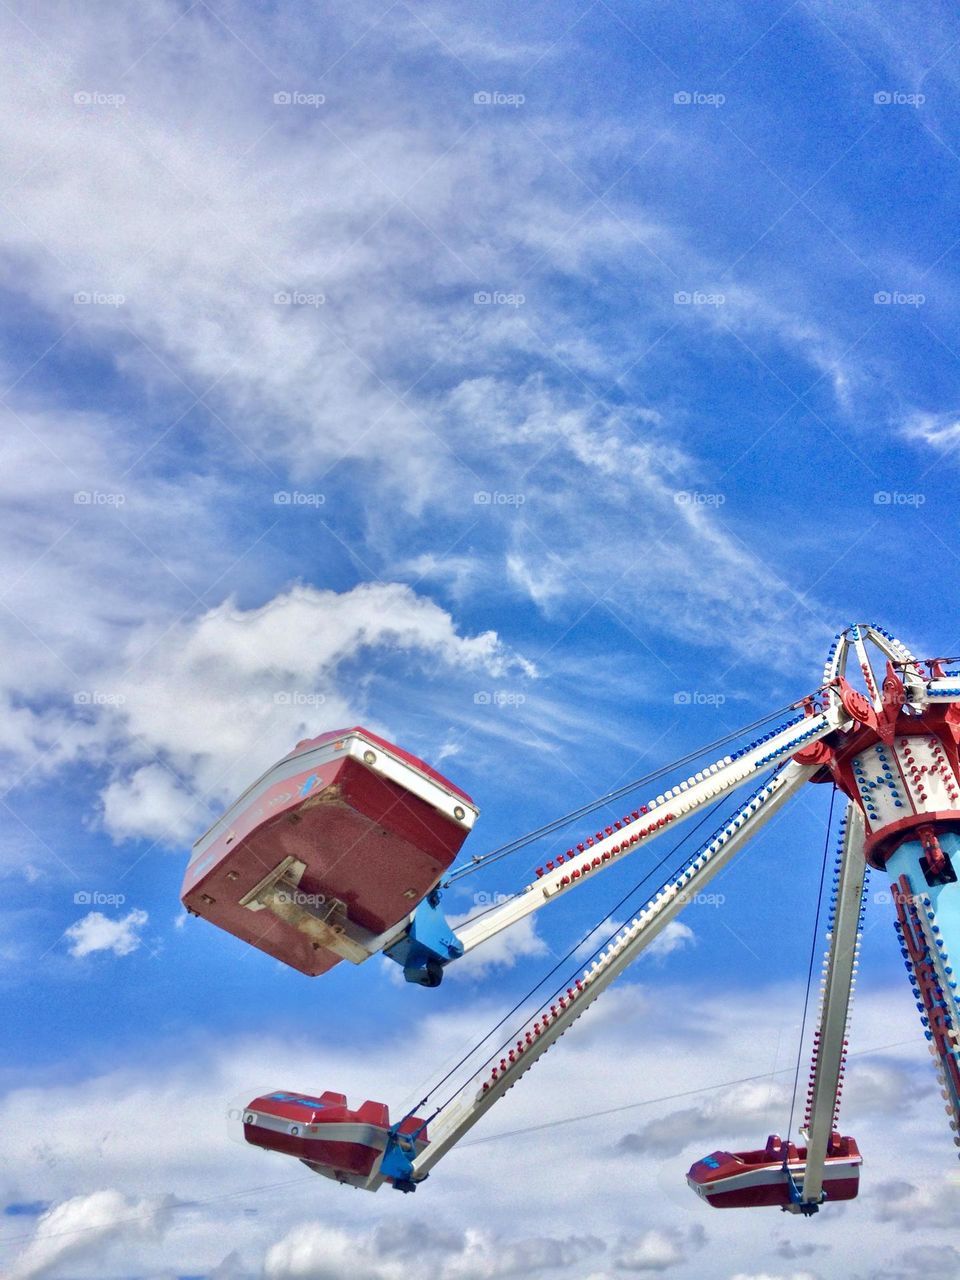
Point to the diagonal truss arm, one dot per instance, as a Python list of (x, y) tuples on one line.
[(664, 812), (475, 1099), (838, 978)]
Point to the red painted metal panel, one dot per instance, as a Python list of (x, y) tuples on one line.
[(353, 1141), (365, 839), (751, 1179)]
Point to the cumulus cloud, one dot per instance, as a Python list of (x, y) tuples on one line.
[(885, 1087), (97, 932), (922, 1261), (316, 396), (769, 1275), (84, 1227), (793, 1250), (61, 1135), (503, 951), (673, 937), (221, 696), (316, 1251), (905, 1203), (150, 803), (319, 1252), (658, 1250), (742, 1108)]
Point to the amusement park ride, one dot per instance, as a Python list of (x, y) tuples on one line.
[(341, 851)]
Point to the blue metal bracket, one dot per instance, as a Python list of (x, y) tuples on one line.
[(428, 944), (805, 1207), (397, 1162)]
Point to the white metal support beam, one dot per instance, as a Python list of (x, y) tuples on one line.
[(664, 813), (475, 1099), (838, 977)]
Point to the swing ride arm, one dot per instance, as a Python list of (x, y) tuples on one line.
[(474, 1099), (651, 820), (839, 975)]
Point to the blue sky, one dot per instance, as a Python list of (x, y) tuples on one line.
[(582, 355)]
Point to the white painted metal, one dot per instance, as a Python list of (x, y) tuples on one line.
[(359, 747), (889, 646), (675, 805), (839, 970), (943, 689), (869, 679), (474, 1101)]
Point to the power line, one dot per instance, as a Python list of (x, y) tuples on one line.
[(666, 1097), (494, 1137)]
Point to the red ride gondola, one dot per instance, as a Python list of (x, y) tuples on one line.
[(329, 849), (746, 1179), (325, 1134)]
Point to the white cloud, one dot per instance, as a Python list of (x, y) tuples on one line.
[(150, 803), (905, 1203), (940, 431), (674, 937), (655, 1250), (319, 1252), (222, 696), (769, 1275), (299, 389), (97, 932), (744, 1108), (501, 952), (84, 1226), (315, 1251), (67, 1136)]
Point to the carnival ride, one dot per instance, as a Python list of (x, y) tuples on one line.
[(343, 849)]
